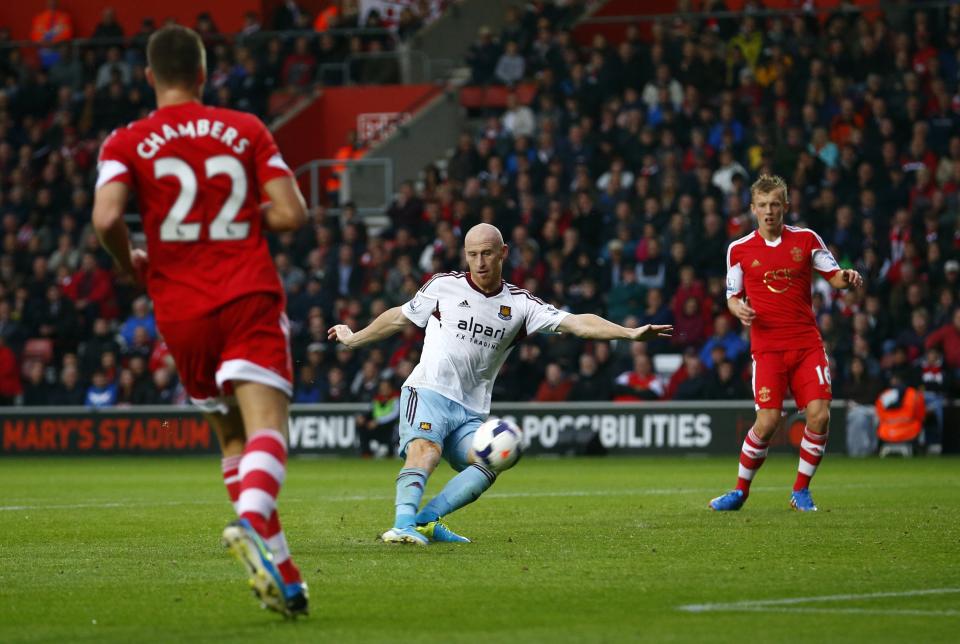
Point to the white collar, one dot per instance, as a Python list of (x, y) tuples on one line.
[(771, 244)]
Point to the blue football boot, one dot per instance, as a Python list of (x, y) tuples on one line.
[(801, 501), (729, 502), (438, 531), (296, 598), (248, 548)]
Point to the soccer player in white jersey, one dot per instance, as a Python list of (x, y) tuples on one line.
[(473, 321)]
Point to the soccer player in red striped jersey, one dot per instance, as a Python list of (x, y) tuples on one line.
[(200, 175), (769, 274)]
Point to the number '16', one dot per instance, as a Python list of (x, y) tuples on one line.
[(823, 375)]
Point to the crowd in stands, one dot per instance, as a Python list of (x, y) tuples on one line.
[(58, 100), (618, 188), (99, 79)]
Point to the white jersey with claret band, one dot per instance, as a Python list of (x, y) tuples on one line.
[(470, 334)]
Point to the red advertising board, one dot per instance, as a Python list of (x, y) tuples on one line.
[(99, 433), (319, 129)]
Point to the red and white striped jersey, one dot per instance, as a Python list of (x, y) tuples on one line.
[(198, 173), (776, 277)]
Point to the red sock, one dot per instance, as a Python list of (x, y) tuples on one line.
[(752, 455), (277, 543), (231, 477), (262, 470), (811, 453)]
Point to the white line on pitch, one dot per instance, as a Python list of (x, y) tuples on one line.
[(376, 497), (387, 497), (853, 611), (778, 604)]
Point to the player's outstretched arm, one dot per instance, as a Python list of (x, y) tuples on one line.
[(387, 323), (287, 209), (846, 278), (593, 327), (109, 204)]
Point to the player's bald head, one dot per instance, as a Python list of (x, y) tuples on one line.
[(483, 233)]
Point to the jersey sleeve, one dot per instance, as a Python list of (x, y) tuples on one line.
[(823, 260), (542, 317), (113, 164), (423, 304), (734, 272), (269, 161)]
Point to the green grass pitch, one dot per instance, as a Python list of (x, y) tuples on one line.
[(593, 550)]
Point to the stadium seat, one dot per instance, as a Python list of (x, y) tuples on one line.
[(897, 449), (665, 364), (495, 96)]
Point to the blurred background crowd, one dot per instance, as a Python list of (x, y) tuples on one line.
[(618, 186)]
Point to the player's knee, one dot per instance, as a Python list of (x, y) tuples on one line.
[(423, 453), (818, 419), (765, 427)]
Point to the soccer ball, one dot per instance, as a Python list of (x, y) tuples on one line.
[(498, 444)]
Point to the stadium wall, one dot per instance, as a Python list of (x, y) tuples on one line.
[(557, 429), (228, 16), (320, 128)]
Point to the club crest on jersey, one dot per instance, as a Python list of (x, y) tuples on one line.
[(425, 426), (764, 394), (504, 313), (796, 254)]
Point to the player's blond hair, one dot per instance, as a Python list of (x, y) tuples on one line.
[(768, 183)]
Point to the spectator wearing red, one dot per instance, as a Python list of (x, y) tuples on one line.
[(91, 290), (10, 386), (327, 17), (918, 155), (690, 328), (299, 66), (698, 152), (688, 287), (922, 192), (160, 357), (844, 123), (681, 374), (555, 386), (529, 266), (640, 383), (947, 338), (924, 52)]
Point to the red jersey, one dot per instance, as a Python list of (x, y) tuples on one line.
[(776, 277), (198, 173)]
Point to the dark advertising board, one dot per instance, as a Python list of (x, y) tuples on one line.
[(562, 429)]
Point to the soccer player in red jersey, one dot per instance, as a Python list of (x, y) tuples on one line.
[(772, 267), (200, 175)]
